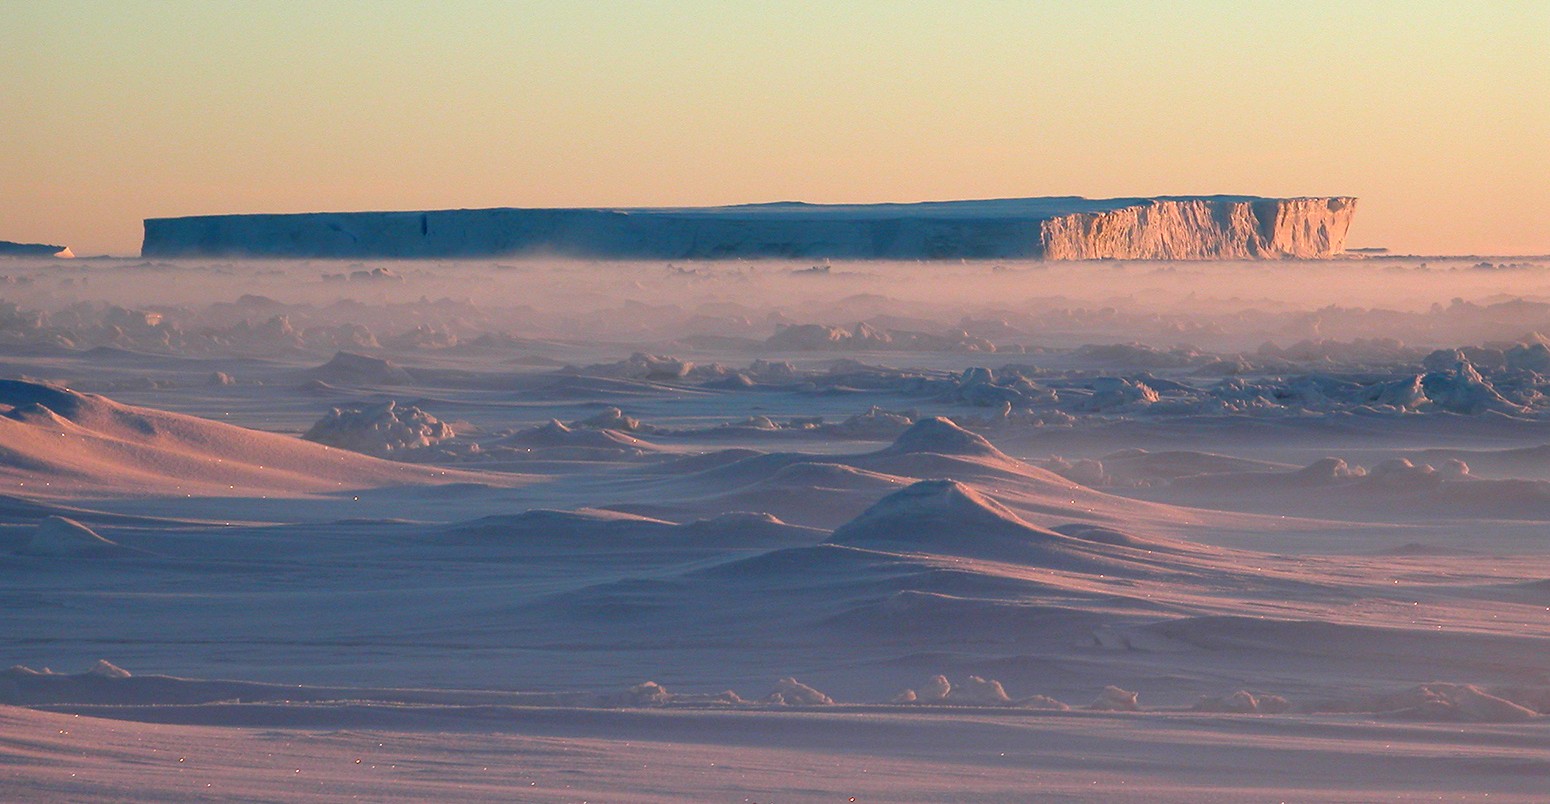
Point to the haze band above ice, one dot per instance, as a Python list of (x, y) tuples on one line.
[(1056, 228)]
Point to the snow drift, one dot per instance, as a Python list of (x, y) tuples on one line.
[(55, 441), (61, 537)]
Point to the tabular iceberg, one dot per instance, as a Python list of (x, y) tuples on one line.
[(1058, 228), (9, 249)]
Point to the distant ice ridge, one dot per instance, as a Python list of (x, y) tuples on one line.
[(1058, 228)]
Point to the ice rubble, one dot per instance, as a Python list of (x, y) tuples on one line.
[(1243, 702), (865, 337), (105, 683), (612, 418), (1023, 393), (380, 429), (1036, 396), (973, 691), (639, 366), (790, 692), (1114, 699)]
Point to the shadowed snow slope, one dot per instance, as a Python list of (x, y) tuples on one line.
[(1140, 465), (348, 368), (55, 441), (938, 448), (58, 537), (540, 530), (556, 435), (829, 490), (942, 517)]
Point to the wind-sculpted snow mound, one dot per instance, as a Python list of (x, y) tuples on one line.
[(941, 436), (788, 471), (835, 476), (1450, 703), (927, 503), (829, 490), (349, 368), (640, 366), (938, 447), (57, 442), (942, 517), (935, 563), (555, 436), (972, 691), (807, 490)]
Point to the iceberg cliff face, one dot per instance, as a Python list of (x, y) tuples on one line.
[(1204, 229), (1214, 227)]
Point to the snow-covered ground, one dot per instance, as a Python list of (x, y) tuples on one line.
[(767, 531)]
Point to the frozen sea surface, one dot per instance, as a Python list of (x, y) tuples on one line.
[(775, 531)]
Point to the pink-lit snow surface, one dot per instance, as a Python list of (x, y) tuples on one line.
[(775, 532)]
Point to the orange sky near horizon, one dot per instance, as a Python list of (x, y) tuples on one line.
[(1432, 113)]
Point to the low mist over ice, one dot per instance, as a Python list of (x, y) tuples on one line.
[(1219, 306)]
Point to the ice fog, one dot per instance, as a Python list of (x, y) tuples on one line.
[(1221, 306)]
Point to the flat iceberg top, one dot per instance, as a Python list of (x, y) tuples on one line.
[(1165, 227), (1016, 208), (1019, 208)]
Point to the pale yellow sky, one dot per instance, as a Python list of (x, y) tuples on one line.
[(1433, 113)]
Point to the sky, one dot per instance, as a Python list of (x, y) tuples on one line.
[(1434, 114)]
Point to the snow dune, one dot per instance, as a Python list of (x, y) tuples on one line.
[(58, 443)]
